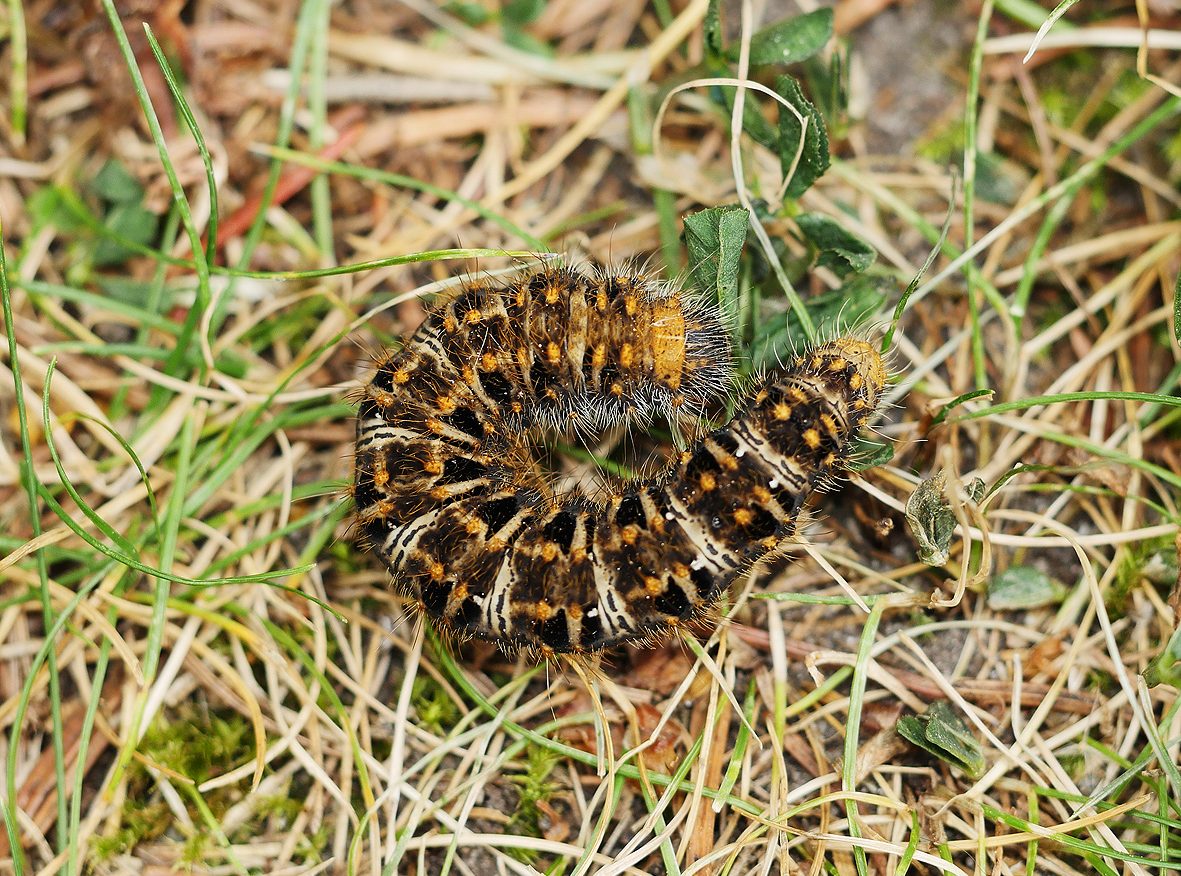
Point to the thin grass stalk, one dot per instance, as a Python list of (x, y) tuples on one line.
[(18, 83), (971, 153), (31, 487), (321, 193), (853, 728), (200, 265)]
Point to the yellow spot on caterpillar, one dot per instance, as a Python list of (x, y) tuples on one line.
[(449, 324), (829, 460), (488, 362), (817, 363), (474, 526), (708, 481), (472, 316), (630, 304), (760, 494), (629, 533), (837, 364), (617, 390), (402, 375), (433, 467), (797, 395), (743, 517), (380, 476), (599, 357), (552, 293), (553, 353), (437, 571), (523, 358), (679, 570), (855, 381), (653, 585), (439, 494), (729, 463), (829, 424), (626, 356), (445, 404), (435, 425), (542, 610), (469, 375), (549, 552), (812, 438), (782, 411), (668, 341)]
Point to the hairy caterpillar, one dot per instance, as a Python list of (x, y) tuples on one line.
[(448, 496)]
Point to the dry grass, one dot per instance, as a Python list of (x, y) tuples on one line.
[(199, 671)]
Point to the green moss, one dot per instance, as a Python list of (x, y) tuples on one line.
[(194, 850), (943, 142), (1074, 763), (534, 787), (141, 821), (436, 711), (1154, 561), (309, 849), (282, 808), (195, 743), (1101, 682), (200, 744)]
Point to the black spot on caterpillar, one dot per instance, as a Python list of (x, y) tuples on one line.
[(448, 496)]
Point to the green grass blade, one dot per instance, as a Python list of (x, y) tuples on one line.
[(852, 728), (190, 121), (18, 82), (979, 366), (1155, 398), (200, 265), (408, 182), (29, 483)]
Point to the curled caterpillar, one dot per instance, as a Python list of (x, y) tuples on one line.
[(447, 492)]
